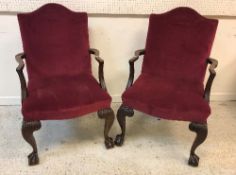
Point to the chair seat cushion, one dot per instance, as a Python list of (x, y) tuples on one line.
[(163, 98), (64, 97)]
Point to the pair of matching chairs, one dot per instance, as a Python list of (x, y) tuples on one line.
[(61, 85)]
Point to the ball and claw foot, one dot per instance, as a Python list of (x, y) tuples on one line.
[(33, 159), (109, 143), (193, 160), (119, 140)]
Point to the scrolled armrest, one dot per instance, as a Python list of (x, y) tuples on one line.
[(19, 58), (139, 52), (131, 66), (95, 52), (213, 64)]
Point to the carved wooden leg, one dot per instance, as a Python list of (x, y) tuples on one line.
[(27, 132), (122, 112), (201, 131), (109, 116)]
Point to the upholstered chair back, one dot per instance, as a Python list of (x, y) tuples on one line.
[(177, 46), (55, 41)]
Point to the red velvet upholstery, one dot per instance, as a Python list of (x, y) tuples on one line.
[(60, 82), (174, 66)]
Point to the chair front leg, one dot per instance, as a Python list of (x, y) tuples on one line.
[(122, 112), (201, 131), (109, 116), (27, 132)]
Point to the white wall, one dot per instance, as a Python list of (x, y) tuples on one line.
[(117, 38), (209, 7)]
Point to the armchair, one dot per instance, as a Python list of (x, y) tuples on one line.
[(175, 61), (60, 83)]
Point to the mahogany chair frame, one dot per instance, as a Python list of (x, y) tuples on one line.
[(200, 128), (28, 127)]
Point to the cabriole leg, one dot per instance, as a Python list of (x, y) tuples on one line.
[(27, 132), (201, 131), (109, 116), (122, 112)]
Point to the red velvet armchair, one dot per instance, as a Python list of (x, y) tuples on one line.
[(174, 65), (60, 83)]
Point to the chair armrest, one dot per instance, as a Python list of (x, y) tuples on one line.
[(95, 52), (213, 64), (19, 58), (131, 66)]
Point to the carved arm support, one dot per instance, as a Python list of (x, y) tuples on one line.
[(131, 66), (95, 52), (19, 58), (213, 64)]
